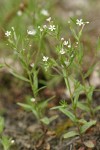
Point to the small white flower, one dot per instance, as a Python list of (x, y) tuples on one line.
[(12, 141), (31, 32), (38, 27), (41, 29), (19, 13), (44, 12), (8, 33), (77, 43), (65, 43), (69, 46), (48, 19), (62, 39), (44, 26), (32, 65), (32, 99), (79, 22), (62, 51), (45, 58), (52, 27), (66, 63)]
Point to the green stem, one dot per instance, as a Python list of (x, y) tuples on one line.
[(89, 104), (68, 85)]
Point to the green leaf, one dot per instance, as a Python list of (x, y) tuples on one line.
[(22, 61), (1, 124), (25, 106), (70, 134), (87, 125), (74, 33), (19, 76), (30, 108), (82, 121), (90, 93), (57, 107), (35, 79), (68, 113), (97, 108), (45, 120), (53, 118), (41, 88), (89, 144), (82, 106), (78, 89), (90, 70), (6, 142), (80, 33)]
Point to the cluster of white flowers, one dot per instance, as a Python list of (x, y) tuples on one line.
[(40, 28), (51, 27), (44, 26), (45, 58), (46, 65), (7, 33), (62, 51), (65, 43)]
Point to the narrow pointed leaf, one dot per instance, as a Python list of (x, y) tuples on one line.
[(70, 134), (19, 76), (87, 125), (97, 108), (82, 106), (68, 113), (25, 106), (1, 124)]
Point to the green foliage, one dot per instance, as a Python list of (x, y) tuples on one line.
[(47, 120), (5, 141), (41, 48), (87, 125), (1, 124), (37, 108), (70, 134)]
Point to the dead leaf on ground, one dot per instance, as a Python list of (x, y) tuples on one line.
[(47, 146), (89, 144), (81, 148)]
